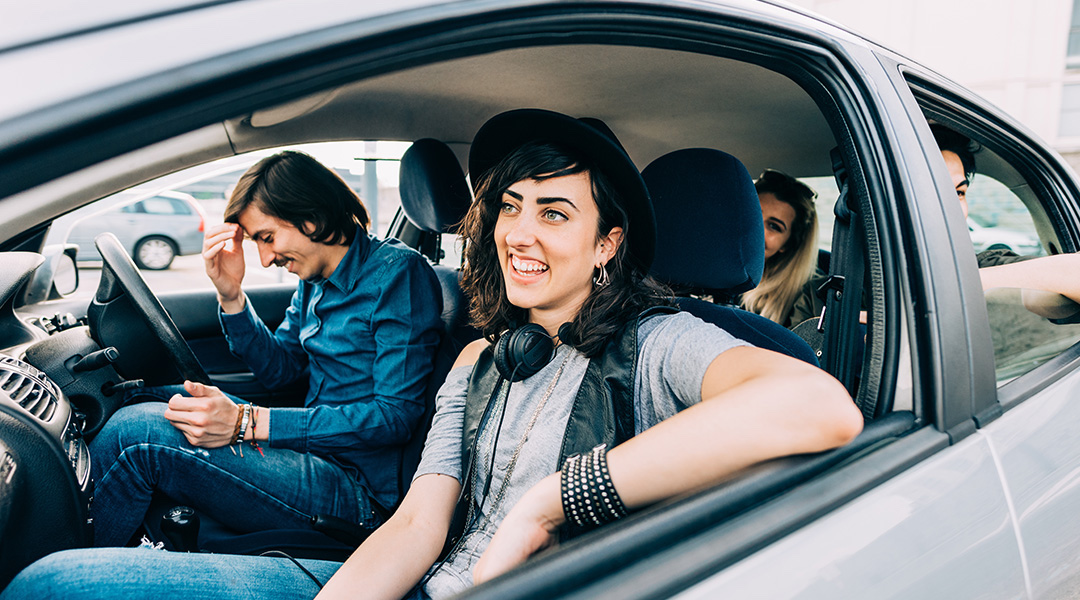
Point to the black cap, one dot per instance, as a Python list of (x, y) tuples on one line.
[(508, 131)]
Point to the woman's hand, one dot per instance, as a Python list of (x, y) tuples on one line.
[(528, 528), (207, 419)]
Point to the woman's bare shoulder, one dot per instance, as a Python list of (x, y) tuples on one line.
[(470, 353)]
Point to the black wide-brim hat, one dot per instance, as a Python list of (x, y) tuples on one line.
[(593, 141)]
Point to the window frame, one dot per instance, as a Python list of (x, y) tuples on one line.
[(1048, 177)]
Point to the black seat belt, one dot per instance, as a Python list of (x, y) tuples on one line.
[(843, 289)]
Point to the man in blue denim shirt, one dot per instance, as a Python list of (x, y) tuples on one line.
[(363, 326)]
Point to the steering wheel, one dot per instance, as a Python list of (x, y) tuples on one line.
[(130, 282)]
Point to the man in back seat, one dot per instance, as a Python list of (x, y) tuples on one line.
[(363, 328), (1042, 278)]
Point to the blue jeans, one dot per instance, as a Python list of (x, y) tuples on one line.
[(109, 573), (139, 452)]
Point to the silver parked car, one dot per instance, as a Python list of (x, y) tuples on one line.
[(153, 230), (963, 483), (1000, 238)]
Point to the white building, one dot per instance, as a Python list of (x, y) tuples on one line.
[(1022, 55)]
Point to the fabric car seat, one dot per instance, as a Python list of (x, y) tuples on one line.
[(435, 198), (710, 240)]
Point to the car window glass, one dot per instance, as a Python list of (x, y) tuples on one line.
[(998, 219), (451, 250), (827, 193), (195, 200), (158, 206), (180, 207), (1028, 327)]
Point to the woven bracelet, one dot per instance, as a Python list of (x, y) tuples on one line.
[(236, 428)]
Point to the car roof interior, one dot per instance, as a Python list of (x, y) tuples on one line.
[(756, 114)]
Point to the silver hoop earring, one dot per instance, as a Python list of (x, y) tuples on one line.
[(601, 279)]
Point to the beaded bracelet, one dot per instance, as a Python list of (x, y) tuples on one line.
[(589, 498)]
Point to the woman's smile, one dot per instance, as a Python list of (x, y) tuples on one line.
[(527, 269)]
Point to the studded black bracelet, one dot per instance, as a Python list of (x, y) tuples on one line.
[(589, 498)]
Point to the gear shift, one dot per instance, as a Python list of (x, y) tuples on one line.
[(181, 526)]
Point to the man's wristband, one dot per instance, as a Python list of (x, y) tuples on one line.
[(244, 420)]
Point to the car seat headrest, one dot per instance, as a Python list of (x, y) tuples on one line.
[(434, 194), (709, 230)]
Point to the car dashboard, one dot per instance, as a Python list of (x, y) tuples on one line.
[(45, 481), (28, 388)]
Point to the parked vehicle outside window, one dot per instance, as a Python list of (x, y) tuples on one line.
[(153, 230)]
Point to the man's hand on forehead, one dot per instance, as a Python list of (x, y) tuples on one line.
[(242, 233)]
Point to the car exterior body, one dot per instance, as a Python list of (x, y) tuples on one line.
[(153, 230), (963, 483)]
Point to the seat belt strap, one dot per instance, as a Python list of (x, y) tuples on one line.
[(843, 289)]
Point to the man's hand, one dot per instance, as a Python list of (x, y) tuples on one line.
[(206, 419), (223, 253), (528, 528)]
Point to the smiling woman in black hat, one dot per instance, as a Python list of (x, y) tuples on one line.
[(588, 398)]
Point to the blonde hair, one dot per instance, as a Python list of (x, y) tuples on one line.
[(786, 272)]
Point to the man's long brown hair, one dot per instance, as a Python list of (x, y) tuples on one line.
[(608, 308), (300, 190)]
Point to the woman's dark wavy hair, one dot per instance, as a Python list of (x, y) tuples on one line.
[(607, 309), (300, 190)]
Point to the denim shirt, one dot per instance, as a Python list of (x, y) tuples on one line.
[(366, 339)]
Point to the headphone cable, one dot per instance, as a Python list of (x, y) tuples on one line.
[(487, 488), (295, 562), (491, 468)]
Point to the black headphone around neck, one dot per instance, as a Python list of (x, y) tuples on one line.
[(523, 351)]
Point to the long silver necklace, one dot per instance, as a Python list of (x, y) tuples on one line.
[(484, 519)]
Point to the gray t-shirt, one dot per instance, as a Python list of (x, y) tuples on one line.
[(673, 353)]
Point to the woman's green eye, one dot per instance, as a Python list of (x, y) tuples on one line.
[(554, 215)]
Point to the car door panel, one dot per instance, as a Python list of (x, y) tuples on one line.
[(940, 530), (196, 312), (1034, 442), (196, 315)]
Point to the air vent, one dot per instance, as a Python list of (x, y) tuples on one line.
[(29, 388)]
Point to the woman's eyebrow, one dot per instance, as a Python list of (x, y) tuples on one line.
[(778, 222), (555, 199)]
